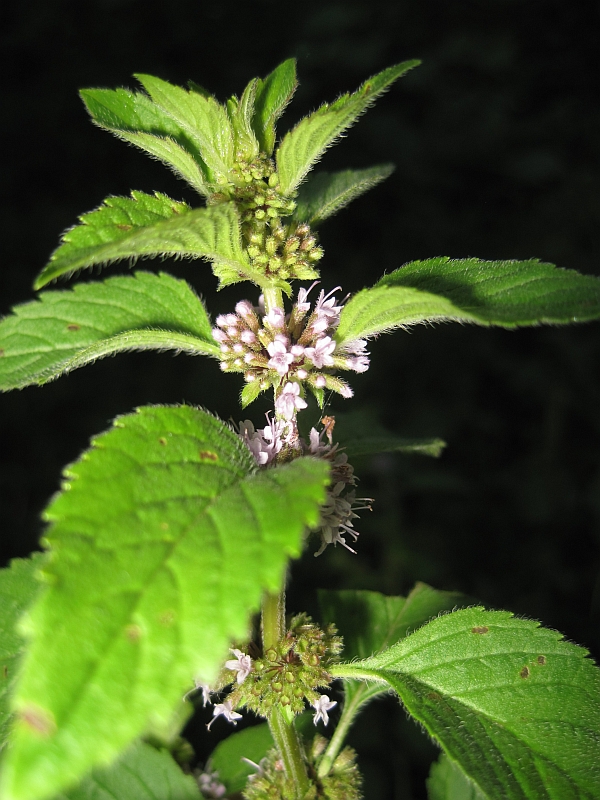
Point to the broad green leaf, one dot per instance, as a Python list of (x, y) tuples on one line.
[(148, 225), (505, 293), (18, 589), (226, 759), (241, 113), (142, 773), (273, 93), (64, 330), (163, 539), (133, 117), (204, 120), (513, 704), (304, 145), (325, 193), (448, 782)]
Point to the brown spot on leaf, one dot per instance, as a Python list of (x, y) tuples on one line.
[(480, 629), (541, 660), (1, 352), (133, 632), (38, 719), (73, 327), (525, 673), (162, 440), (123, 227), (175, 210), (434, 696), (5, 671), (208, 455), (167, 617)]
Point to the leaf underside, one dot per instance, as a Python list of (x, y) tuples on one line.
[(163, 540), (505, 293), (68, 329), (515, 706), (448, 782), (147, 225)]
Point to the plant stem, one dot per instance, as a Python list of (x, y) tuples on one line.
[(281, 724), (273, 298), (337, 740)]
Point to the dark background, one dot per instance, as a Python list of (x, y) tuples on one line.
[(495, 139)]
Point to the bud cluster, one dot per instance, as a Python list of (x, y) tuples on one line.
[(276, 350), (288, 674)]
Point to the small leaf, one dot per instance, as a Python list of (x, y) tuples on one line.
[(226, 759), (304, 145), (360, 434), (273, 93), (18, 589), (448, 782), (142, 773), (204, 120), (163, 540), (133, 117), (326, 193), (64, 330), (148, 225), (514, 705), (249, 393), (505, 293), (241, 113)]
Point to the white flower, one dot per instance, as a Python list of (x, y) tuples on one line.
[(289, 401), (301, 304), (225, 710), (210, 785), (358, 363), (263, 444), (325, 308), (275, 319), (322, 706), (205, 692), (242, 664), (281, 358), (320, 354)]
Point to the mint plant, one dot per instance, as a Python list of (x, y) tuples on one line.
[(175, 528)]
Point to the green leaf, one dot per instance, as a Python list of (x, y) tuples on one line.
[(371, 622), (142, 773), (133, 117), (305, 144), (360, 434), (241, 113), (226, 759), (249, 393), (514, 705), (163, 539), (448, 782), (505, 293), (325, 193), (204, 120), (148, 225), (64, 330), (18, 589), (273, 93)]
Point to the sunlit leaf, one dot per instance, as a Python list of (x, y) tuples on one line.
[(273, 93)]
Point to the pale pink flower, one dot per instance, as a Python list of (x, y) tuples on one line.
[(322, 706), (224, 710), (289, 401), (242, 664), (320, 354), (281, 358)]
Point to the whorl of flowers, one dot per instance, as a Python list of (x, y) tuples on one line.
[(287, 351)]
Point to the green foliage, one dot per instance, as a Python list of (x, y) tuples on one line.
[(148, 225), (132, 116), (305, 144), (163, 539), (496, 690), (18, 589), (226, 759), (326, 193), (273, 93), (64, 330), (142, 773), (360, 434), (505, 293), (448, 782)]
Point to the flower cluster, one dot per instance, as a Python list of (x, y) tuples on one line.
[(285, 351)]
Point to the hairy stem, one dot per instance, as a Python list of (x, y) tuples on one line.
[(281, 724), (337, 740), (273, 298)]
